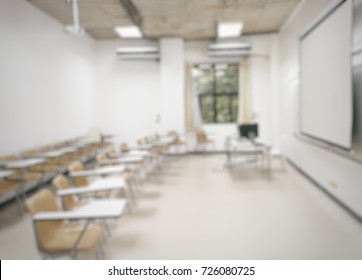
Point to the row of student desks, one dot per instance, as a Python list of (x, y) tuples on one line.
[(103, 208), (114, 164), (134, 156), (14, 168)]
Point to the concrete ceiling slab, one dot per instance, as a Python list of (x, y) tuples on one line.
[(190, 19)]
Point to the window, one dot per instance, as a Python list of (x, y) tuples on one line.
[(216, 87)]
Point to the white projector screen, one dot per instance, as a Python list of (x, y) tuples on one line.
[(326, 78)]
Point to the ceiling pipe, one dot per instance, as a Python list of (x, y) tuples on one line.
[(74, 29)]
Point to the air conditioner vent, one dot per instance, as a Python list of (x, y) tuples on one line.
[(138, 53), (229, 49)]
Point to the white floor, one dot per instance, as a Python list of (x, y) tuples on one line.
[(196, 210)]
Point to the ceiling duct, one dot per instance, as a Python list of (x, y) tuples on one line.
[(138, 53), (229, 49), (74, 29), (132, 12)]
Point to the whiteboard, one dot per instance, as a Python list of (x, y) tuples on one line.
[(326, 78)]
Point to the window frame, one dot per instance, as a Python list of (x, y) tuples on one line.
[(214, 94)]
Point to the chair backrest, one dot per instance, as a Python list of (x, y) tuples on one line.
[(111, 150), (31, 152), (43, 201), (174, 134), (61, 182), (124, 148), (78, 166), (46, 148), (60, 144), (9, 158), (101, 156), (201, 136), (6, 186)]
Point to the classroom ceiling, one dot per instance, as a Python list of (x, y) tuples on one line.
[(189, 19)]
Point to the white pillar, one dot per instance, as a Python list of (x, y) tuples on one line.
[(275, 91), (172, 100)]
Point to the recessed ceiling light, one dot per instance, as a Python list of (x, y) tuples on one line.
[(229, 29), (128, 31)]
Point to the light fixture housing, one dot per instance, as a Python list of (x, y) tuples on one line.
[(128, 32), (138, 53), (229, 29), (229, 49)]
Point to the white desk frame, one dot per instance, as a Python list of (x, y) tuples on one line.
[(122, 160), (66, 149), (254, 148), (23, 163), (141, 147), (108, 170), (119, 169), (18, 192), (51, 154), (133, 153), (5, 173), (107, 184), (97, 209)]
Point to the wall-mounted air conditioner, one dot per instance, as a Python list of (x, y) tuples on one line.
[(138, 53), (229, 49)]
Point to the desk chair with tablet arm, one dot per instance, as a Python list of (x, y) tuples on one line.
[(56, 237)]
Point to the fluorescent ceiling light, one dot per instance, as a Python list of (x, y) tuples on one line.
[(128, 31), (229, 29), (229, 46)]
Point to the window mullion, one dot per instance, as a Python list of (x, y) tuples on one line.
[(230, 114), (214, 92)]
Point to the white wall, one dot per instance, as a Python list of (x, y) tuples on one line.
[(172, 85), (158, 88), (128, 93), (47, 79), (339, 176), (140, 98), (263, 71)]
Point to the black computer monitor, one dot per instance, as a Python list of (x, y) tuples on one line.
[(249, 131)]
